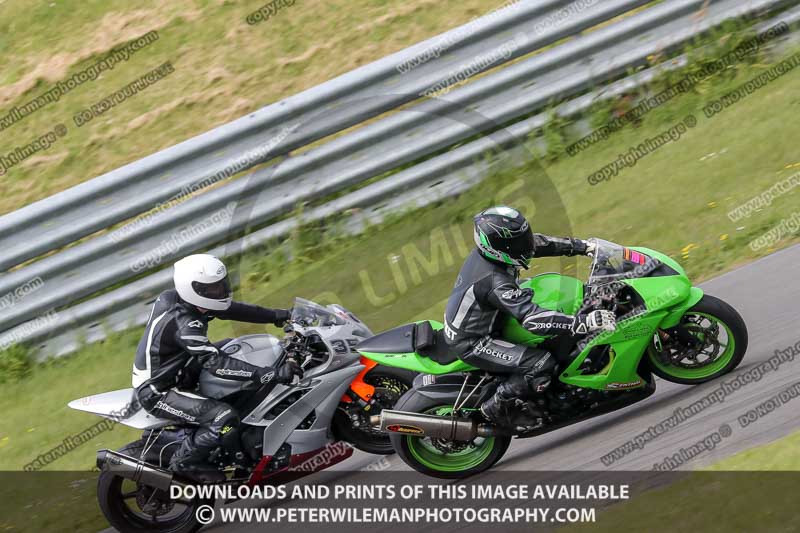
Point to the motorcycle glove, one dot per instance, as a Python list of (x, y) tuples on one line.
[(282, 316), (289, 370), (285, 374), (594, 321)]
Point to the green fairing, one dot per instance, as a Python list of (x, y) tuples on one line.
[(675, 314), (550, 291), (419, 363), (666, 300)]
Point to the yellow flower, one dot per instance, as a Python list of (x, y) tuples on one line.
[(723, 237)]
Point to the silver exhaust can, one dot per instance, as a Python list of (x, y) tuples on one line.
[(433, 426), (134, 469)]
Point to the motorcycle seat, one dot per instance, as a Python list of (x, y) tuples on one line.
[(432, 344), (420, 338), (395, 340)]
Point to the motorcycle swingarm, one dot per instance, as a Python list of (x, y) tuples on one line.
[(448, 392), (626, 399)]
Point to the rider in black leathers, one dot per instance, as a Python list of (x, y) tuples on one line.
[(487, 287), (175, 347)]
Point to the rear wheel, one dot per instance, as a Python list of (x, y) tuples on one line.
[(443, 458), (132, 507), (352, 424), (710, 341)]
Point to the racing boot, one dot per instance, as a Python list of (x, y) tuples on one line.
[(509, 406), (191, 460)]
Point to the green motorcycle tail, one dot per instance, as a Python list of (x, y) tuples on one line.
[(419, 347)]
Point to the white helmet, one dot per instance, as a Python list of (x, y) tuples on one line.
[(202, 280)]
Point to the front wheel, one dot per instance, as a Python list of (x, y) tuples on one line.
[(709, 342), (132, 507), (443, 458), (351, 423)]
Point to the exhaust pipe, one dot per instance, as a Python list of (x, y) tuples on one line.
[(436, 427), (134, 469)]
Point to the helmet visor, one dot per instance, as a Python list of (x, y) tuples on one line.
[(218, 290), (521, 246)]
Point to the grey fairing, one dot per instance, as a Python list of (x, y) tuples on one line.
[(325, 385), (323, 398)]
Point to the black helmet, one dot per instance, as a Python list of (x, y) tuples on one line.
[(502, 234)]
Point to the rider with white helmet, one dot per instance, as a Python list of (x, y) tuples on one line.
[(175, 347)]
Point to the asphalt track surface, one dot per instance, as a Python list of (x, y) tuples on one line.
[(767, 294)]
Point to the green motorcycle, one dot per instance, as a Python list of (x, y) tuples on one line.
[(665, 326)]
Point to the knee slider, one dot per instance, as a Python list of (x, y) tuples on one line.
[(225, 419)]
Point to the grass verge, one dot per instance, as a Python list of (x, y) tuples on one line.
[(224, 68)]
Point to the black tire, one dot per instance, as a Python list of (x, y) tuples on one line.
[(727, 315), (124, 519), (402, 445), (372, 441)]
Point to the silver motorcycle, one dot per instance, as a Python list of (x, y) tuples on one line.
[(286, 431)]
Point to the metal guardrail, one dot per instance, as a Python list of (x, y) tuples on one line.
[(100, 262), (608, 60), (375, 88)]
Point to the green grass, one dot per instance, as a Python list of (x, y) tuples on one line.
[(224, 69), (780, 456)]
